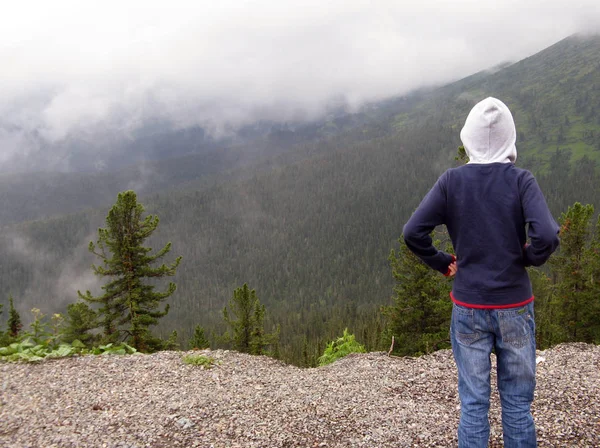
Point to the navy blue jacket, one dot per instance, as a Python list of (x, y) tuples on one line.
[(486, 209)]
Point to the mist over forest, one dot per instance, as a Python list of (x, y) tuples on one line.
[(296, 182)]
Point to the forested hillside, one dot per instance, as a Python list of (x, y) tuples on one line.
[(312, 238), (554, 97), (30, 196), (311, 228), (176, 160)]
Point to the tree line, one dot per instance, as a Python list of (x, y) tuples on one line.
[(312, 238), (567, 303), (129, 304), (566, 290), (310, 226)]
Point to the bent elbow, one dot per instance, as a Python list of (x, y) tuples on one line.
[(550, 242), (411, 235), (540, 251)]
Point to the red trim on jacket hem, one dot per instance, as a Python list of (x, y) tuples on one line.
[(488, 307)]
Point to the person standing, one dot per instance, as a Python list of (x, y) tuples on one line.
[(490, 207)]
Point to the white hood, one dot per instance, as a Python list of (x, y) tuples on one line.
[(489, 134)]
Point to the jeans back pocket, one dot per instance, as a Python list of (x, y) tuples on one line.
[(516, 326), (463, 325)]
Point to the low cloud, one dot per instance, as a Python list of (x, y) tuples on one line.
[(53, 280), (87, 69)]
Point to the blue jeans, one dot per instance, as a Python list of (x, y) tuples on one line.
[(511, 332)]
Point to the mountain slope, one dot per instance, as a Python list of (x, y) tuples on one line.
[(311, 237), (171, 160), (310, 228), (30, 196), (554, 96)]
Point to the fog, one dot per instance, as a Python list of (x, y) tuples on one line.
[(90, 70)]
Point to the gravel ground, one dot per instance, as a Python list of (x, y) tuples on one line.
[(369, 400)]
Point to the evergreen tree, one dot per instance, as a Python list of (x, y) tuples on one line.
[(199, 340), (80, 320), (171, 343), (305, 356), (4, 338), (258, 338), (572, 269), (127, 299), (592, 307), (14, 319), (549, 329), (420, 317), (248, 334)]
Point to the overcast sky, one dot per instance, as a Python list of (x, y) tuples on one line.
[(69, 65)]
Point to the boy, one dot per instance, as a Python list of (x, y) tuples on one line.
[(486, 206)]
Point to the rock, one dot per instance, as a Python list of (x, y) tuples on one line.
[(185, 423)]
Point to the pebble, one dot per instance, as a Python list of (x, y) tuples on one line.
[(363, 400)]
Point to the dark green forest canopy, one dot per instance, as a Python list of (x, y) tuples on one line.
[(310, 237), (310, 229)]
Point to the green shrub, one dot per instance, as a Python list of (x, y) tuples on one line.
[(5, 339), (339, 348), (28, 350), (113, 349), (199, 360), (198, 340)]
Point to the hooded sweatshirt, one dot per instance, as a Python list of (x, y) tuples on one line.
[(489, 207)]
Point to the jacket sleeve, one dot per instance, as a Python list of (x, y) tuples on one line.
[(417, 231), (543, 229)]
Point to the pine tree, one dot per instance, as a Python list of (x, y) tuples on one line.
[(14, 319), (573, 270), (4, 337), (306, 359), (171, 343), (258, 337), (592, 270), (127, 299), (199, 340), (420, 317), (549, 330), (248, 334), (80, 320)]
